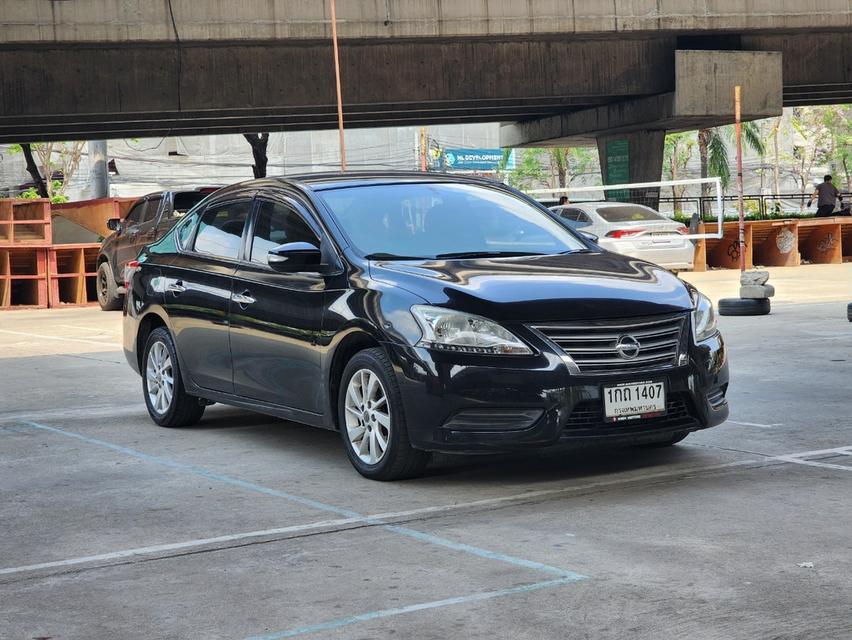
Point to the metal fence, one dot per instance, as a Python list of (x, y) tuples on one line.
[(757, 206)]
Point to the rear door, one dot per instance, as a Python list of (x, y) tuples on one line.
[(198, 287), (276, 317)]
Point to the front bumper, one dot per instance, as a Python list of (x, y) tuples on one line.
[(466, 404)]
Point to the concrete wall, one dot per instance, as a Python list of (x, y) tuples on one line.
[(149, 20)]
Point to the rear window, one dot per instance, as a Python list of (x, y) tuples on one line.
[(186, 200), (628, 213)]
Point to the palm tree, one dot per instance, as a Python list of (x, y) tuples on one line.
[(713, 151)]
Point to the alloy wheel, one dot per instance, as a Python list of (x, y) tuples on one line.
[(368, 421), (160, 377)]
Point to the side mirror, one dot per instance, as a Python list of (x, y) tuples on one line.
[(293, 257), (588, 235), (114, 224)]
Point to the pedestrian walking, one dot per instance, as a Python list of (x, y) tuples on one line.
[(826, 195)]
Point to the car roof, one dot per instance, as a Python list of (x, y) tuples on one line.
[(337, 179)]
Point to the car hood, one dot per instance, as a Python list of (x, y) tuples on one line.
[(578, 286)]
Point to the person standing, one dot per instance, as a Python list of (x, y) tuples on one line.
[(826, 195)]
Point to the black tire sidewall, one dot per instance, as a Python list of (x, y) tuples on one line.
[(111, 303), (162, 335), (744, 306), (368, 360)]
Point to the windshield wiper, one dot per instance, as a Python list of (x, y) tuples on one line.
[(391, 256), (486, 254)]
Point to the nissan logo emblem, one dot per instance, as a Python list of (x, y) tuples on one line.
[(627, 347)]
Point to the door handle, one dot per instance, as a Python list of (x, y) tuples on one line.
[(176, 287), (243, 298)]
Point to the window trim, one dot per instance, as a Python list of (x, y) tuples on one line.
[(287, 202), (221, 203), (328, 249)]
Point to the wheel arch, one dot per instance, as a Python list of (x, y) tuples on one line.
[(147, 324), (354, 341)]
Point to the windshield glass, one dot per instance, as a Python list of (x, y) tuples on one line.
[(629, 213), (444, 220)]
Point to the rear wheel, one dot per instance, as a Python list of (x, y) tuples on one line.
[(108, 296), (372, 422), (169, 405)]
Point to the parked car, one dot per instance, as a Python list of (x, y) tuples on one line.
[(632, 230), (416, 313), (147, 220)]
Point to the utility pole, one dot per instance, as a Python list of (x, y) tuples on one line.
[(337, 82), (98, 169), (423, 149), (739, 128)]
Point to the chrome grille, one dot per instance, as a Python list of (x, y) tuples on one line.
[(593, 345)]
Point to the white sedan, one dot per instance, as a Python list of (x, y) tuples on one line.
[(632, 230)]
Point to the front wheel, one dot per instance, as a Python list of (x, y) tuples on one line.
[(169, 405), (372, 422), (108, 296)]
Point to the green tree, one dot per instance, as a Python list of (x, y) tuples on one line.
[(676, 154), (60, 159), (714, 154), (529, 168), (569, 163), (838, 123)]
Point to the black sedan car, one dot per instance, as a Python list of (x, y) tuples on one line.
[(417, 313)]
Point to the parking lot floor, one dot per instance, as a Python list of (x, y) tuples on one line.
[(252, 527)]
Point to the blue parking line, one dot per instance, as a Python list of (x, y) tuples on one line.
[(423, 606), (198, 471), (565, 576)]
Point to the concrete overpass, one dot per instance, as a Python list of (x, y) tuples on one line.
[(566, 71)]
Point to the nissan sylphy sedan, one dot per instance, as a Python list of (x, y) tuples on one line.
[(416, 313), (631, 229)]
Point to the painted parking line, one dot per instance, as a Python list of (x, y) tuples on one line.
[(386, 518), (423, 606), (100, 343), (564, 576), (314, 504), (759, 425)]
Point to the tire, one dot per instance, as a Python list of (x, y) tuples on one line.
[(849, 312), (398, 459), (179, 410), (108, 296), (744, 306), (667, 443)]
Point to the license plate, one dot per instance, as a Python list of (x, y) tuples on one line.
[(634, 400)]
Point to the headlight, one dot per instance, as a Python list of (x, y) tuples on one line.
[(703, 318), (449, 330)]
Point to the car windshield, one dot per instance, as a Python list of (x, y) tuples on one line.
[(629, 213), (444, 220)]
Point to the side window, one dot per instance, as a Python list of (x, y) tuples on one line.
[(582, 219), (278, 224), (220, 230), (135, 215), (152, 208), (185, 229)]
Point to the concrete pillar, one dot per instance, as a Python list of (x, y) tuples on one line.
[(98, 170), (632, 157)]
